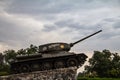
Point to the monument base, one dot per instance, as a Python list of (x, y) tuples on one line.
[(57, 74)]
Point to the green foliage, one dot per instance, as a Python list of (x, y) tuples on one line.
[(104, 64), (4, 69), (4, 73), (10, 55), (32, 49), (1, 59), (21, 52), (85, 78)]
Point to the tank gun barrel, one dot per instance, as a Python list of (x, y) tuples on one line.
[(72, 44)]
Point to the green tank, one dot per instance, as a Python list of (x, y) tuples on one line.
[(51, 56)]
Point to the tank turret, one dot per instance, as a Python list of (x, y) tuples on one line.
[(59, 46)]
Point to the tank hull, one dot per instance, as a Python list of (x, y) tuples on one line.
[(48, 62)]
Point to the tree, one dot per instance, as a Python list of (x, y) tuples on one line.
[(9, 55), (1, 59), (4, 69), (21, 52), (32, 49), (115, 71), (104, 64)]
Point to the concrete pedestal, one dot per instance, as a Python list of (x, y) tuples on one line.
[(57, 74)]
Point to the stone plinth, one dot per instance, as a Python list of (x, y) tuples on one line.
[(57, 74)]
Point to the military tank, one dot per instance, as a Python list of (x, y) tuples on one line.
[(50, 56)]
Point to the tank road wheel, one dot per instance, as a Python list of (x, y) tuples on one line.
[(59, 64), (14, 70), (35, 67), (25, 68), (47, 66), (72, 62)]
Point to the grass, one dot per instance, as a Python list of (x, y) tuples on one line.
[(98, 78), (3, 73)]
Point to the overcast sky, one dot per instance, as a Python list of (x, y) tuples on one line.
[(25, 22)]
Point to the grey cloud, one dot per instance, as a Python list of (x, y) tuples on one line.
[(12, 34), (75, 25), (47, 6), (110, 28), (37, 7), (75, 28), (116, 25), (112, 19), (68, 23), (48, 28), (51, 11), (87, 29), (109, 34), (109, 20)]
